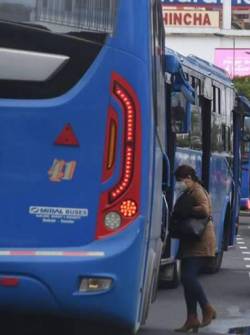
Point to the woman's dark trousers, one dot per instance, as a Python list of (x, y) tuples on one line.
[(193, 291)]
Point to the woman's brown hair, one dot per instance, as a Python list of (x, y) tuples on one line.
[(185, 171)]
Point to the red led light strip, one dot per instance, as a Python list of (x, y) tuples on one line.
[(129, 141)]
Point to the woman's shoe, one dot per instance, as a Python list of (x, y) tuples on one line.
[(191, 325), (209, 314)]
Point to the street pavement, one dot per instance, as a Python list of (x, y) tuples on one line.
[(228, 291)]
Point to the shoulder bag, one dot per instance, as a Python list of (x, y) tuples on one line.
[(188, 228)]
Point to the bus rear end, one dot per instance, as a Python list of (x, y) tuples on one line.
[(72, 233)]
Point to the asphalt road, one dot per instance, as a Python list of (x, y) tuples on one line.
[(228, 291)]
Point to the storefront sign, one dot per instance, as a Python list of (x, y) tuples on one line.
[(190, 18), (235, 61), (204, 3)]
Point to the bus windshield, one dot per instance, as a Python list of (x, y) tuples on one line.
[(62, 16)]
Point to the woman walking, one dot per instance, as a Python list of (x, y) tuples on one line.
[(194, 254)]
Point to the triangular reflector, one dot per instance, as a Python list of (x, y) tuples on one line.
[(67, 137)]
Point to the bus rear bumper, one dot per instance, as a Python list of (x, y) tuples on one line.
[(48, 281)]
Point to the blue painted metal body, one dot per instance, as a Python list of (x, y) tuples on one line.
[(220, 187), (51, 284), (223, 178), (245, 184), (28, 130), (245, 165)]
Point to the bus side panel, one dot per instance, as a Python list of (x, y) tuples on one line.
[(245, 183), (189, 157), (220, 181), (220, 188)]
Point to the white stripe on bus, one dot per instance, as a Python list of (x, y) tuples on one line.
[(52, 253)]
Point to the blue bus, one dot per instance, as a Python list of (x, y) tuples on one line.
[(245, 184), (87, 156), (212, 147), (83, 162), (245, 174)]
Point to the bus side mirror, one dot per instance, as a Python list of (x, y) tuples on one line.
[(180, 113), (246, 129)]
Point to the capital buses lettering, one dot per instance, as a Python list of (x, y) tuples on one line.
[(58, 214), (54, 211), (76, 212)]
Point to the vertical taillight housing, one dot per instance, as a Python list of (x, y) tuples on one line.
[(120, 204)]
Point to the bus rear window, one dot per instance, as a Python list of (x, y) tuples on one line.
[(62, 16), (73, 29)]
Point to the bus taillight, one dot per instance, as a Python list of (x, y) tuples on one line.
[(129, 112), (110, 146), (120, 204)]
